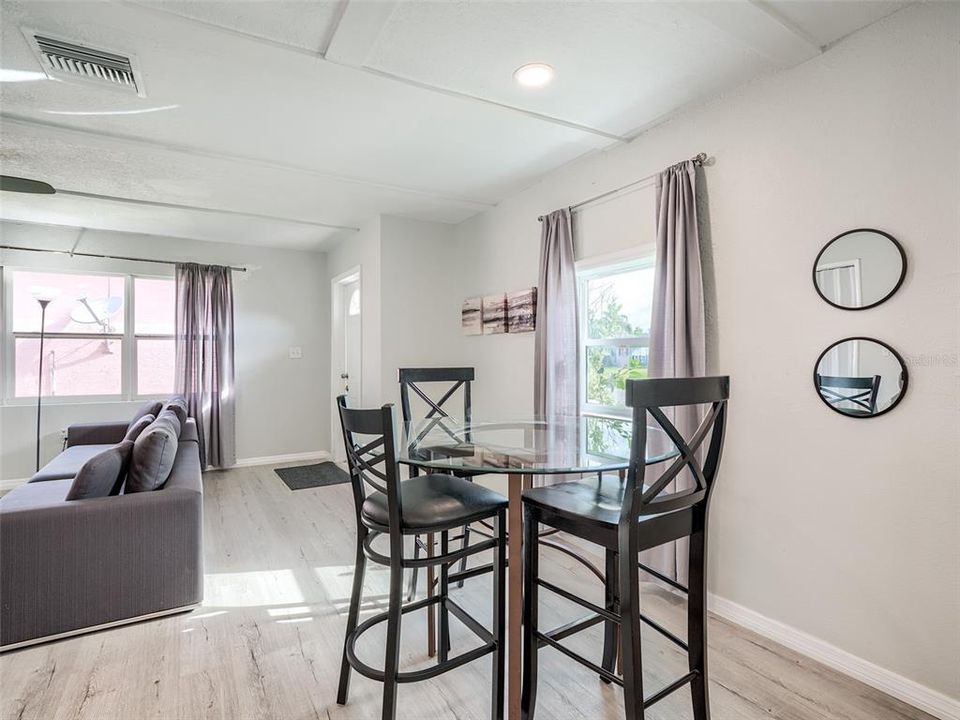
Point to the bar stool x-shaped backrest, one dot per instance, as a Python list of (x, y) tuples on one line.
[(411, 379), (648, 398), (372, 460), (861, 392)]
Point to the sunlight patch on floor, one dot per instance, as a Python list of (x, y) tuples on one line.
[(252, 589)]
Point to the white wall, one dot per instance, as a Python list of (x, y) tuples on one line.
[(421, 309), (280, 302), (410, 309), (844, 529)]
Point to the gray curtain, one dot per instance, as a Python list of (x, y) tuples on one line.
[(556, 351), (677, 332), (204, 350)]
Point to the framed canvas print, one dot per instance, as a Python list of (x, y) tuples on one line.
[(522, 310), (494, 313), (470, 320)]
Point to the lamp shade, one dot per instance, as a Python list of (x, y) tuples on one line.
[(44, 295)]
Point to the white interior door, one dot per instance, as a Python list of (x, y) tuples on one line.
[(352, 322), (346, 351)]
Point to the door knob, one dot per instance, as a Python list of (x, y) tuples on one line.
[(344, 376)]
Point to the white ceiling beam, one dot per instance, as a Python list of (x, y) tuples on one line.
[(357, 31), (83, 229), (353, 36), (201, 209), (278, 44), (132, 140), (759, 27)]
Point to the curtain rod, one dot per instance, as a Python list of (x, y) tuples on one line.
[(106, 257), (699, 159)]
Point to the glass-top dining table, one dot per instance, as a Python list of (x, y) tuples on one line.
[(522, 448)]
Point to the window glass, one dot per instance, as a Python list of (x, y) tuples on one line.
[(71, 366), (154, 306), (155, 359), (608, 367), (619, 305), (87, 350), (615, 313), (88, 304)]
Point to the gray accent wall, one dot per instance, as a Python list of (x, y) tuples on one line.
[(281, 302)]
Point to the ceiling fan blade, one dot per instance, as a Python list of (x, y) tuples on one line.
[(23, 185)]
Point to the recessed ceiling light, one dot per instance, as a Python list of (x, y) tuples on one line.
[(534, 75)]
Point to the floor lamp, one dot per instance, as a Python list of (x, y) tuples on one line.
[(44, 297)]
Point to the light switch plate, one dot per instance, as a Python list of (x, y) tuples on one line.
[(296, 353)]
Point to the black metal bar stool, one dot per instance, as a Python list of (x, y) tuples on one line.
[(453, 379), (626, 517), (411, 380), (427, 503)]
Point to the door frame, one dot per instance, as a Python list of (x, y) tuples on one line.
[(337, 351), (857, 280)]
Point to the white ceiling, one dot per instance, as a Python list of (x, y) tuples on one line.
[(301, 120)]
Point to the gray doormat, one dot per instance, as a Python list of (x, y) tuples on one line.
[(311, 476)]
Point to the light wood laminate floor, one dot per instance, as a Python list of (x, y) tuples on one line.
[(267, 641)]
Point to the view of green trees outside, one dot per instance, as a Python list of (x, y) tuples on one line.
[(610, 366)]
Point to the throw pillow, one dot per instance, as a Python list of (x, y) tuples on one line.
[(138, 426), (103, 474), (151, 407), (174, 419), (153, 454), (178, 405)]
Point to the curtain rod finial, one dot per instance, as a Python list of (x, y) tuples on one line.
[(700, 159)]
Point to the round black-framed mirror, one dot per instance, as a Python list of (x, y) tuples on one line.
[(859, 269), (860, 377)]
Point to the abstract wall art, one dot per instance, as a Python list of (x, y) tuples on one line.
[(494, 314), (522, 310), (499, 313), (470, 319)]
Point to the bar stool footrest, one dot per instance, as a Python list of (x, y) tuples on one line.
[(430, 672), (592, 666)]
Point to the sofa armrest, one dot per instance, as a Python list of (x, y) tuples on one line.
[(104, 433), (68, 565)]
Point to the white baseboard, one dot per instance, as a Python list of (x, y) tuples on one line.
[(321, 455), (909, 691)]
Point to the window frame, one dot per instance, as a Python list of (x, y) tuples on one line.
[(128, 338), (639, 258)]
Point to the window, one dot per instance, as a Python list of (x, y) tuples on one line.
[(153, 320), (615, 309), (106, 335)]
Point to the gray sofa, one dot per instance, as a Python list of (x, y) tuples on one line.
[(69, 566)]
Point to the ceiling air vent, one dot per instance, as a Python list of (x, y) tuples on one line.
[(66, 60)]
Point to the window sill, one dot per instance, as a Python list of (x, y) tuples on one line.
[(64, 402)]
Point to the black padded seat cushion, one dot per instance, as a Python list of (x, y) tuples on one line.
[(436, 502), (598, 501)]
